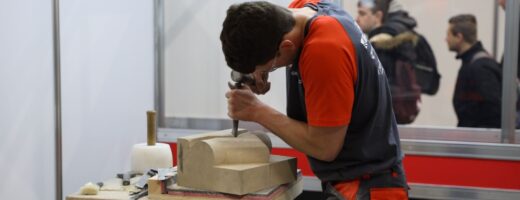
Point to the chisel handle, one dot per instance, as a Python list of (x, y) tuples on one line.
[(151, 128)]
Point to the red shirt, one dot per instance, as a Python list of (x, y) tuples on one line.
[(328, 70)]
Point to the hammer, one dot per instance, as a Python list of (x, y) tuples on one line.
[(240, 79)]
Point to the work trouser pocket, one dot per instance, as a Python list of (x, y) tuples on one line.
[(342, 191), (391, 193)]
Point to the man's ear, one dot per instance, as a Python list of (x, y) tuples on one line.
[(460, 37), (379, 15), (286, 45)]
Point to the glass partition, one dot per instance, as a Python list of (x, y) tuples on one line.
[(195, 75)]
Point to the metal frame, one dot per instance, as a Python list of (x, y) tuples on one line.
[(509, 86), (57, 98), (492, 151), (428, 191), (427, 133), (478, 135), (159, 50), (159, 84), (495, 27), (461, 149)]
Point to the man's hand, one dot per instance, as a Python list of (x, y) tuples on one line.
[(323, 143), (243, 104)]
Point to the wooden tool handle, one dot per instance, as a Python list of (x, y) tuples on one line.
[(152, 127)]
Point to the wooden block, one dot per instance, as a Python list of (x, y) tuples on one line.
[(155, 186), (237, 165)]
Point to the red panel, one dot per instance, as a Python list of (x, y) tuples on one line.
[(303, 163), (173, 146), (463, 171)]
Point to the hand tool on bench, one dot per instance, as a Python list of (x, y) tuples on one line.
[(141, 183), (126, 177)]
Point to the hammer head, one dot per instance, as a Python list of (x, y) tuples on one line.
[(241, 78)]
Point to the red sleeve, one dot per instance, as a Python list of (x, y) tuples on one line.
[(301, 3), (329, 71)]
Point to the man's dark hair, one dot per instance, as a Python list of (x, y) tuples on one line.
[(377, 5), (252, 32), (466, 24)]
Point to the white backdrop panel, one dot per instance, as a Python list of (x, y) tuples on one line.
[(196, 72), (27, 90), (107, 80)]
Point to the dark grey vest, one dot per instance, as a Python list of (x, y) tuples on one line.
[(372, 141)]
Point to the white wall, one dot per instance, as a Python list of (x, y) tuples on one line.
[(107, 66), (196, 72), (27, 91)]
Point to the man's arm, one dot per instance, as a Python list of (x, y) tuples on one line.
[(322, 143)]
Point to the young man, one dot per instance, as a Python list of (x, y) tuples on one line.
[(339, 111), (371, 14), (477, 97), (391, 34)]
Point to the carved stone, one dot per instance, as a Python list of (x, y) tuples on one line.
[(219, 162)]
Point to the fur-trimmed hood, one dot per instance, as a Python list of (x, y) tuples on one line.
[(387, 42)]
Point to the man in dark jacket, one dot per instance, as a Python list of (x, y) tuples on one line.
[(477, 96), (390, 30)]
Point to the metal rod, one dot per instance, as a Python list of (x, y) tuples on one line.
[(159, 60), (509, 86), (495, 28), (234, 131), (57, 98)]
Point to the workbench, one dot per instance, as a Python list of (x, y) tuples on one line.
[(112, 190)]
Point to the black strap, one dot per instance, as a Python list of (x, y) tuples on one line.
[(485, 55), (311, 6)]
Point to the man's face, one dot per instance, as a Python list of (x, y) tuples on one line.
[(283, 58), (261, 76), (366, 19), (502, 3), (453, 41)]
